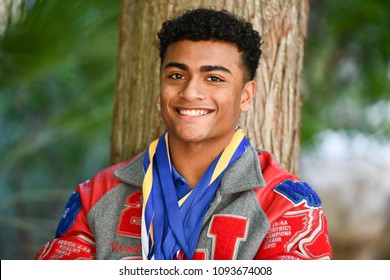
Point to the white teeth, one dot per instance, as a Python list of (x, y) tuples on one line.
[(193, 113)]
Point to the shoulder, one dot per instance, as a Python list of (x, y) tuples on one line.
[(284, 191), (271, 169), (102, 182), (84, 198)]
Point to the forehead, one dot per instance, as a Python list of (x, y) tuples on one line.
[(201, 53)]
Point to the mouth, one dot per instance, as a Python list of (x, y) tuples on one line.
[(193, 112)]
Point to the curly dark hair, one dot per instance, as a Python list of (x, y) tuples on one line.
[(207, 24)]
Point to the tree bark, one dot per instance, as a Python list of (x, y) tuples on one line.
[(9, 12), (273, 123)]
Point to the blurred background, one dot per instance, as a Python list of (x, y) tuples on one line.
[(57, 82)]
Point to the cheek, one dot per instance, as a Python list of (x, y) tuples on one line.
[(235, 107), (165, 100), (234, 103), (164, 97)]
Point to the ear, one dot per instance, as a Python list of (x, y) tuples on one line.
[(247, 94), (158, 103)]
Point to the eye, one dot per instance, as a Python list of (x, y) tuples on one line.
[(177, 76), (214, 79)]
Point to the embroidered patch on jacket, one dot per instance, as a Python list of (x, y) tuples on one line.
[(299, 192), (69, 216)]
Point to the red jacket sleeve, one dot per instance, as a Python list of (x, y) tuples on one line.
[(298, 226), (74, 238)]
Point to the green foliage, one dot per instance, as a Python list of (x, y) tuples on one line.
[(57, 84), (346, 67)]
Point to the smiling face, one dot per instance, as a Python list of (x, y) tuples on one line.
[(203, 91)]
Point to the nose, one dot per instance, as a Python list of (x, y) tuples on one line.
[(192, 90)]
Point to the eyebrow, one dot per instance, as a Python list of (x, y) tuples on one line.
[(176, 65), (205, 68), (209, 68)]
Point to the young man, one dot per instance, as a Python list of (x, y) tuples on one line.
[(200, 191)]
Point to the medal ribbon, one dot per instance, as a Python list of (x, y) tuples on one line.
[(169, 225)]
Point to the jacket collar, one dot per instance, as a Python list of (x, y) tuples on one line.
[(233, 181), (133, 172), (247, 164)]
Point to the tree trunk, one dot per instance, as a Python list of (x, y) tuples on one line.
[(9, 12), (273, 123)]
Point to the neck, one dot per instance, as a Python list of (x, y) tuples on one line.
[(191, 160)]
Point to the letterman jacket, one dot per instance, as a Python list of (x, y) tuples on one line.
[(260, 211)]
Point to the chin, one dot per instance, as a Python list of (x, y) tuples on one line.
[(191, 138)]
